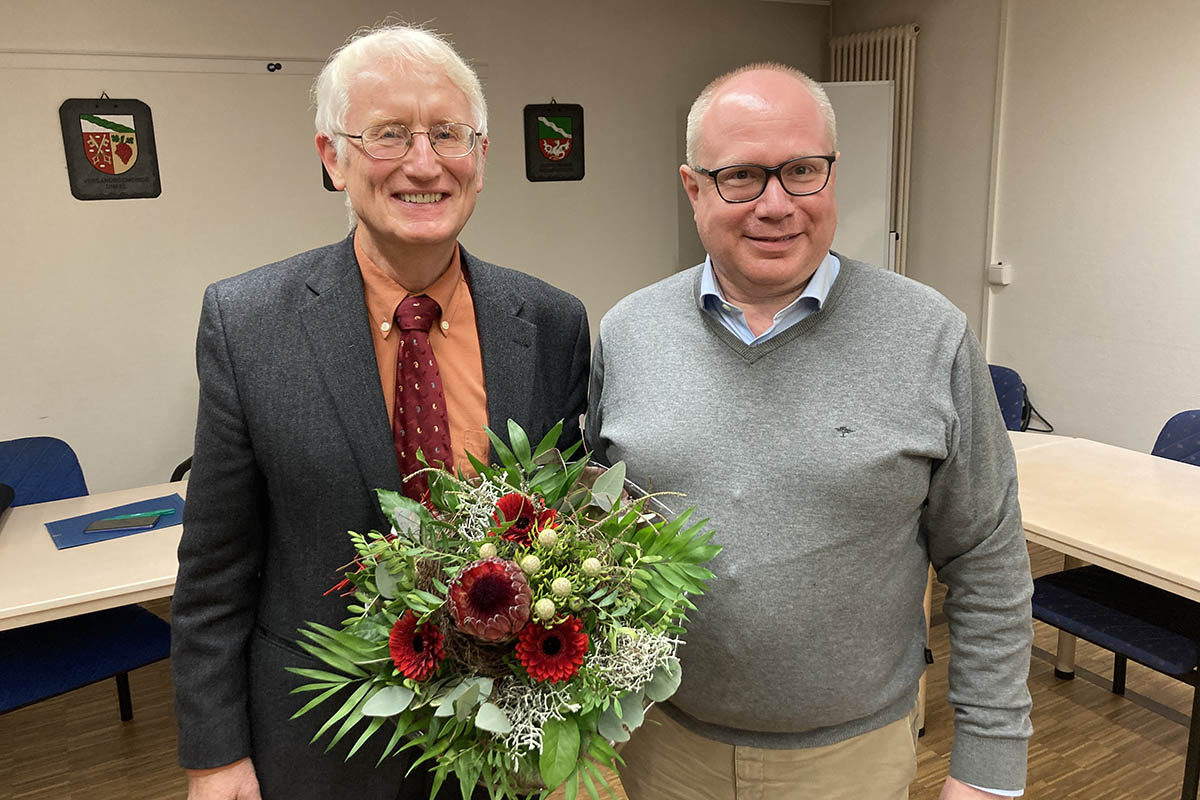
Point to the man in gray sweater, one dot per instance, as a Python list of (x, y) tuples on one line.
[(838, 425)]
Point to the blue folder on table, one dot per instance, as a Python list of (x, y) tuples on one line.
[(69, 532)]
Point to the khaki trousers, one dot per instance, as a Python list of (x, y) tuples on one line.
[(665, 761)]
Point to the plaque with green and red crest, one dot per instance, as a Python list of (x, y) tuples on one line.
[(554, 142), (110, 148)]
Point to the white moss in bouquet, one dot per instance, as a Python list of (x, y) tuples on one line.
[(512, 627)]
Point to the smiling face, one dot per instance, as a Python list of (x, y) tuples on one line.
[(765, 250), (420, 202)]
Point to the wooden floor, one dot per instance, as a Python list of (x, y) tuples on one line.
[(1087, 742)]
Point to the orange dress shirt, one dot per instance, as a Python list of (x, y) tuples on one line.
[(455, 343)]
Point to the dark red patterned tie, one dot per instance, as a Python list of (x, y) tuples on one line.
[(419, 418)]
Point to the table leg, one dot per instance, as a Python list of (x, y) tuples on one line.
[(1064, 663)]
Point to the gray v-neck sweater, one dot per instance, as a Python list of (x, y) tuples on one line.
[(836, 461)]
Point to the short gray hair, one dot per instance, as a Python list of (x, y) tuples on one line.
[(410, 47), (700, 107)]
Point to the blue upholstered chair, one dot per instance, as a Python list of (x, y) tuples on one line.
[(1180, 438), (40, 469), (1132, 619), (1010, 393), (40, 661)]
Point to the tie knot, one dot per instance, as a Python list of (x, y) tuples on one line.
[(417, 312)]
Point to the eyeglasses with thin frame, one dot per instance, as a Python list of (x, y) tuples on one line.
[(741, 183), (394, 140)]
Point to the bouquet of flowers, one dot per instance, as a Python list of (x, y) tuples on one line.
[(515, 625)]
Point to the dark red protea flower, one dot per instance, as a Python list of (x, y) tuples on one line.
[(518, 509), (490, 600), (552, 654), (416, 649)]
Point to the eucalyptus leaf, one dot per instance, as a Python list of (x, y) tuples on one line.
[(610, 726), (459, 689), (384, 581), (664, 681), (405, 513), (466, 702), (388, 702), (611, 482), (492, 718), (602, 502), (632, 711)]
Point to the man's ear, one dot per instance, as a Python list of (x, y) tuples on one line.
[(327, 150), (690, 184), (482, 144)]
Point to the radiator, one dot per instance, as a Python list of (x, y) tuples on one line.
[(887, 54)]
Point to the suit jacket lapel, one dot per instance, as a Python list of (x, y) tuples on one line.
[(506, 344), (335, 324)]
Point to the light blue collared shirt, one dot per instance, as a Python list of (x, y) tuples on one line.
[(729, 315)]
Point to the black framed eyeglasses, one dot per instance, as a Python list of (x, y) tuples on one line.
[(741, 183), (394, 140)]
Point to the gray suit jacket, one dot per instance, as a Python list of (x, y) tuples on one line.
[(292, 438)]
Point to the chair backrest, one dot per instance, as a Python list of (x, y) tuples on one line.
[(40, 469), (1010, 393), (1180, 438)]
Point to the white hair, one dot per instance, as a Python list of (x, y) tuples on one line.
[(700, 107), (411, 48)]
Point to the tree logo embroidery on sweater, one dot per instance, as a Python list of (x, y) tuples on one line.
[(843, 430)]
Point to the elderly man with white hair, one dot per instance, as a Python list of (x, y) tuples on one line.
[(303, 367)]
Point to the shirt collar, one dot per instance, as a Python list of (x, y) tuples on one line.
[(383, 294), (817, 288)]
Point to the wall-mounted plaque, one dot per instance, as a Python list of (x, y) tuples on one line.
[(110, 148), (554, 142)]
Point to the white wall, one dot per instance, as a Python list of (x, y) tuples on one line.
[(1095, 197), (1098, 211), (952, 136), (120, 386)]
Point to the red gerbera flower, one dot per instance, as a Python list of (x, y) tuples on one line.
[(490, 599), (416, 649), (546, 519), (517, 509), (552, 654)]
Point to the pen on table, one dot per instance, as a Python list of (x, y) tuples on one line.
[(162, 512)]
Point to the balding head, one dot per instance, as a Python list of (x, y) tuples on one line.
[(736, 80)]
